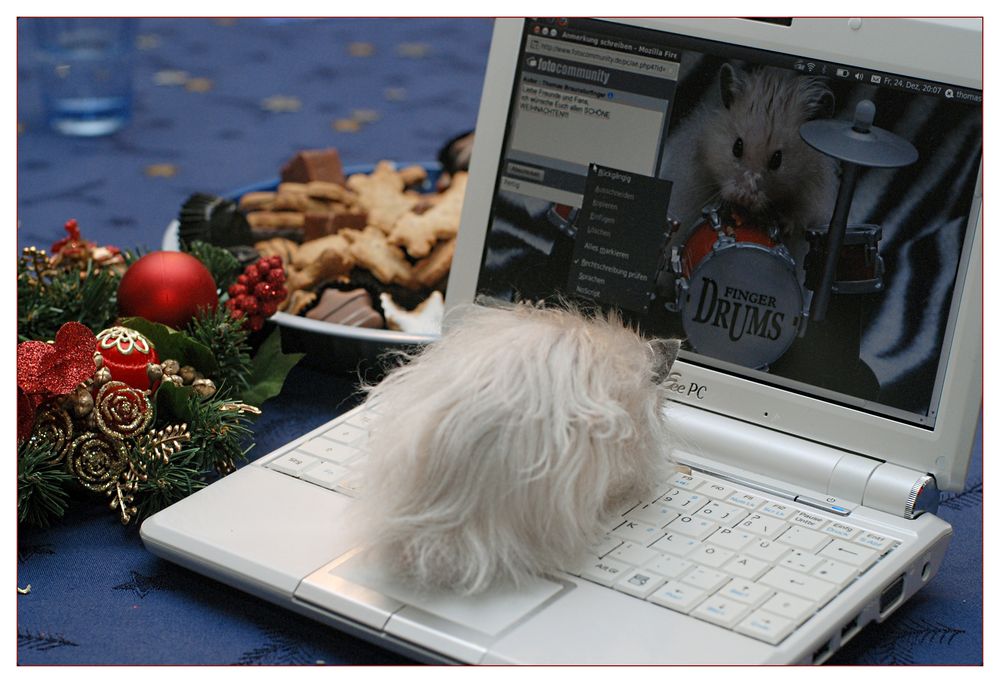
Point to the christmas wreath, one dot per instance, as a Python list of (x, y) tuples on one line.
[(138, 378)]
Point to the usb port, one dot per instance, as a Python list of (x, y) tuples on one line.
[(820, 652), (891, 595), (849, 628)]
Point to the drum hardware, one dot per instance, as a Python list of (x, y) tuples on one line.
[(857, 144), (736, 288)]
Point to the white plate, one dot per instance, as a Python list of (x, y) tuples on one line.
[(341, 345)]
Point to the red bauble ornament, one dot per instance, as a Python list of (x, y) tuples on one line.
[(126, 354), (167, 287)]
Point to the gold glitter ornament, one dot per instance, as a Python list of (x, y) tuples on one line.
[(98, 461), (122, 410), (54, 426)]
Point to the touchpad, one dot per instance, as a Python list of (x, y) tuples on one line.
[(489, 612)]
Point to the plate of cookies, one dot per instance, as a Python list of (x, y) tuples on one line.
[(367, 249)]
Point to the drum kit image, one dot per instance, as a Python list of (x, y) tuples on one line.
[(741, 296)]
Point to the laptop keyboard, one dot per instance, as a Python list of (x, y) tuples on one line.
[(702, 547)]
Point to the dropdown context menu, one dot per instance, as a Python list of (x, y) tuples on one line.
[(621, 229)]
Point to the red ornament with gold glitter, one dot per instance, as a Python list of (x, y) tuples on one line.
[(126, 354), (167, 287)]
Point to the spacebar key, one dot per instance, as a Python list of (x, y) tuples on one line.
[(799, 584)]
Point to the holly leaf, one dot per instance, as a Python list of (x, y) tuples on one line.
[(268, 370), (170, 343)]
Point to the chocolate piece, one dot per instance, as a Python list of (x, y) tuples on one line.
[(314, 164), (352, 308), (318, 224)]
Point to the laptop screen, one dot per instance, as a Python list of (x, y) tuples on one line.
[(691, 185)]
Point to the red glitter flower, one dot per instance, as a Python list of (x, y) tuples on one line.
[(47, 370)]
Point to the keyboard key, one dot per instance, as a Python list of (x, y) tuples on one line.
[(763, 525), (765, 626), (293, 463), (790, 607), (721, 611), (655, 513), (705, 578), (677, 596), (676, 544), (605, 545), (669, 566), (746, 567), (745, 500), (696, 527), (779, 510), (839, 573), (362, 419), (684, 502), (626, 506), (640, 583), (841, 530), (685, 481), (746, 592), (326, 474), (633, 554), (638, 532), (854, 555), (345, 433), (604, 572), (801, 561), (731, 539), (330, 450), (875, 541), (714, 490), (766, 550), (804, 539), (351, 484), (800, 585), (711, 556), (809, 520), (722, 513)]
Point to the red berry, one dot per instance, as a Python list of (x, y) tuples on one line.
[(276, 276), (237, 290), (256, 322), (250, 305), (262, 290), (270, 308), (275, 261), (253, 275), (263, 267), (243, 279)]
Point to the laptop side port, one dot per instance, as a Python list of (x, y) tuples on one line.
[(891, 595), (821, 652), (849, 629)]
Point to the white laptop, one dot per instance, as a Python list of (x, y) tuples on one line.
[(817, 437)]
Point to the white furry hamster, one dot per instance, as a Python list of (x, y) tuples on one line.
[(745, 149)]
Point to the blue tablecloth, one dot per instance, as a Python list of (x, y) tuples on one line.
[(221, 104)]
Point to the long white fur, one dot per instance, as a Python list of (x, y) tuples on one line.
[(498, 451)]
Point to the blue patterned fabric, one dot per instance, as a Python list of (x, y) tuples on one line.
[(220, 105)]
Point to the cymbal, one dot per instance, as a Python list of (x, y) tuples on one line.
[(858, 141)]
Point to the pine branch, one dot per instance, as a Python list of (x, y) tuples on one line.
[(223, 266), (227, 338), (168, 482), (220, 433), (41, 484), (47, 297)]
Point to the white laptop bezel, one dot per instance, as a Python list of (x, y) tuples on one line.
[(947, 50)]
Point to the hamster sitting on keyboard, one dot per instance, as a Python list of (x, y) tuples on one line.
[(496, 452)]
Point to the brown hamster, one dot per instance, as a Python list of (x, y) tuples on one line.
[(746, 150)]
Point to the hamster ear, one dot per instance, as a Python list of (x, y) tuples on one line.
[(729, 83), (664, 355), (823, 105)]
